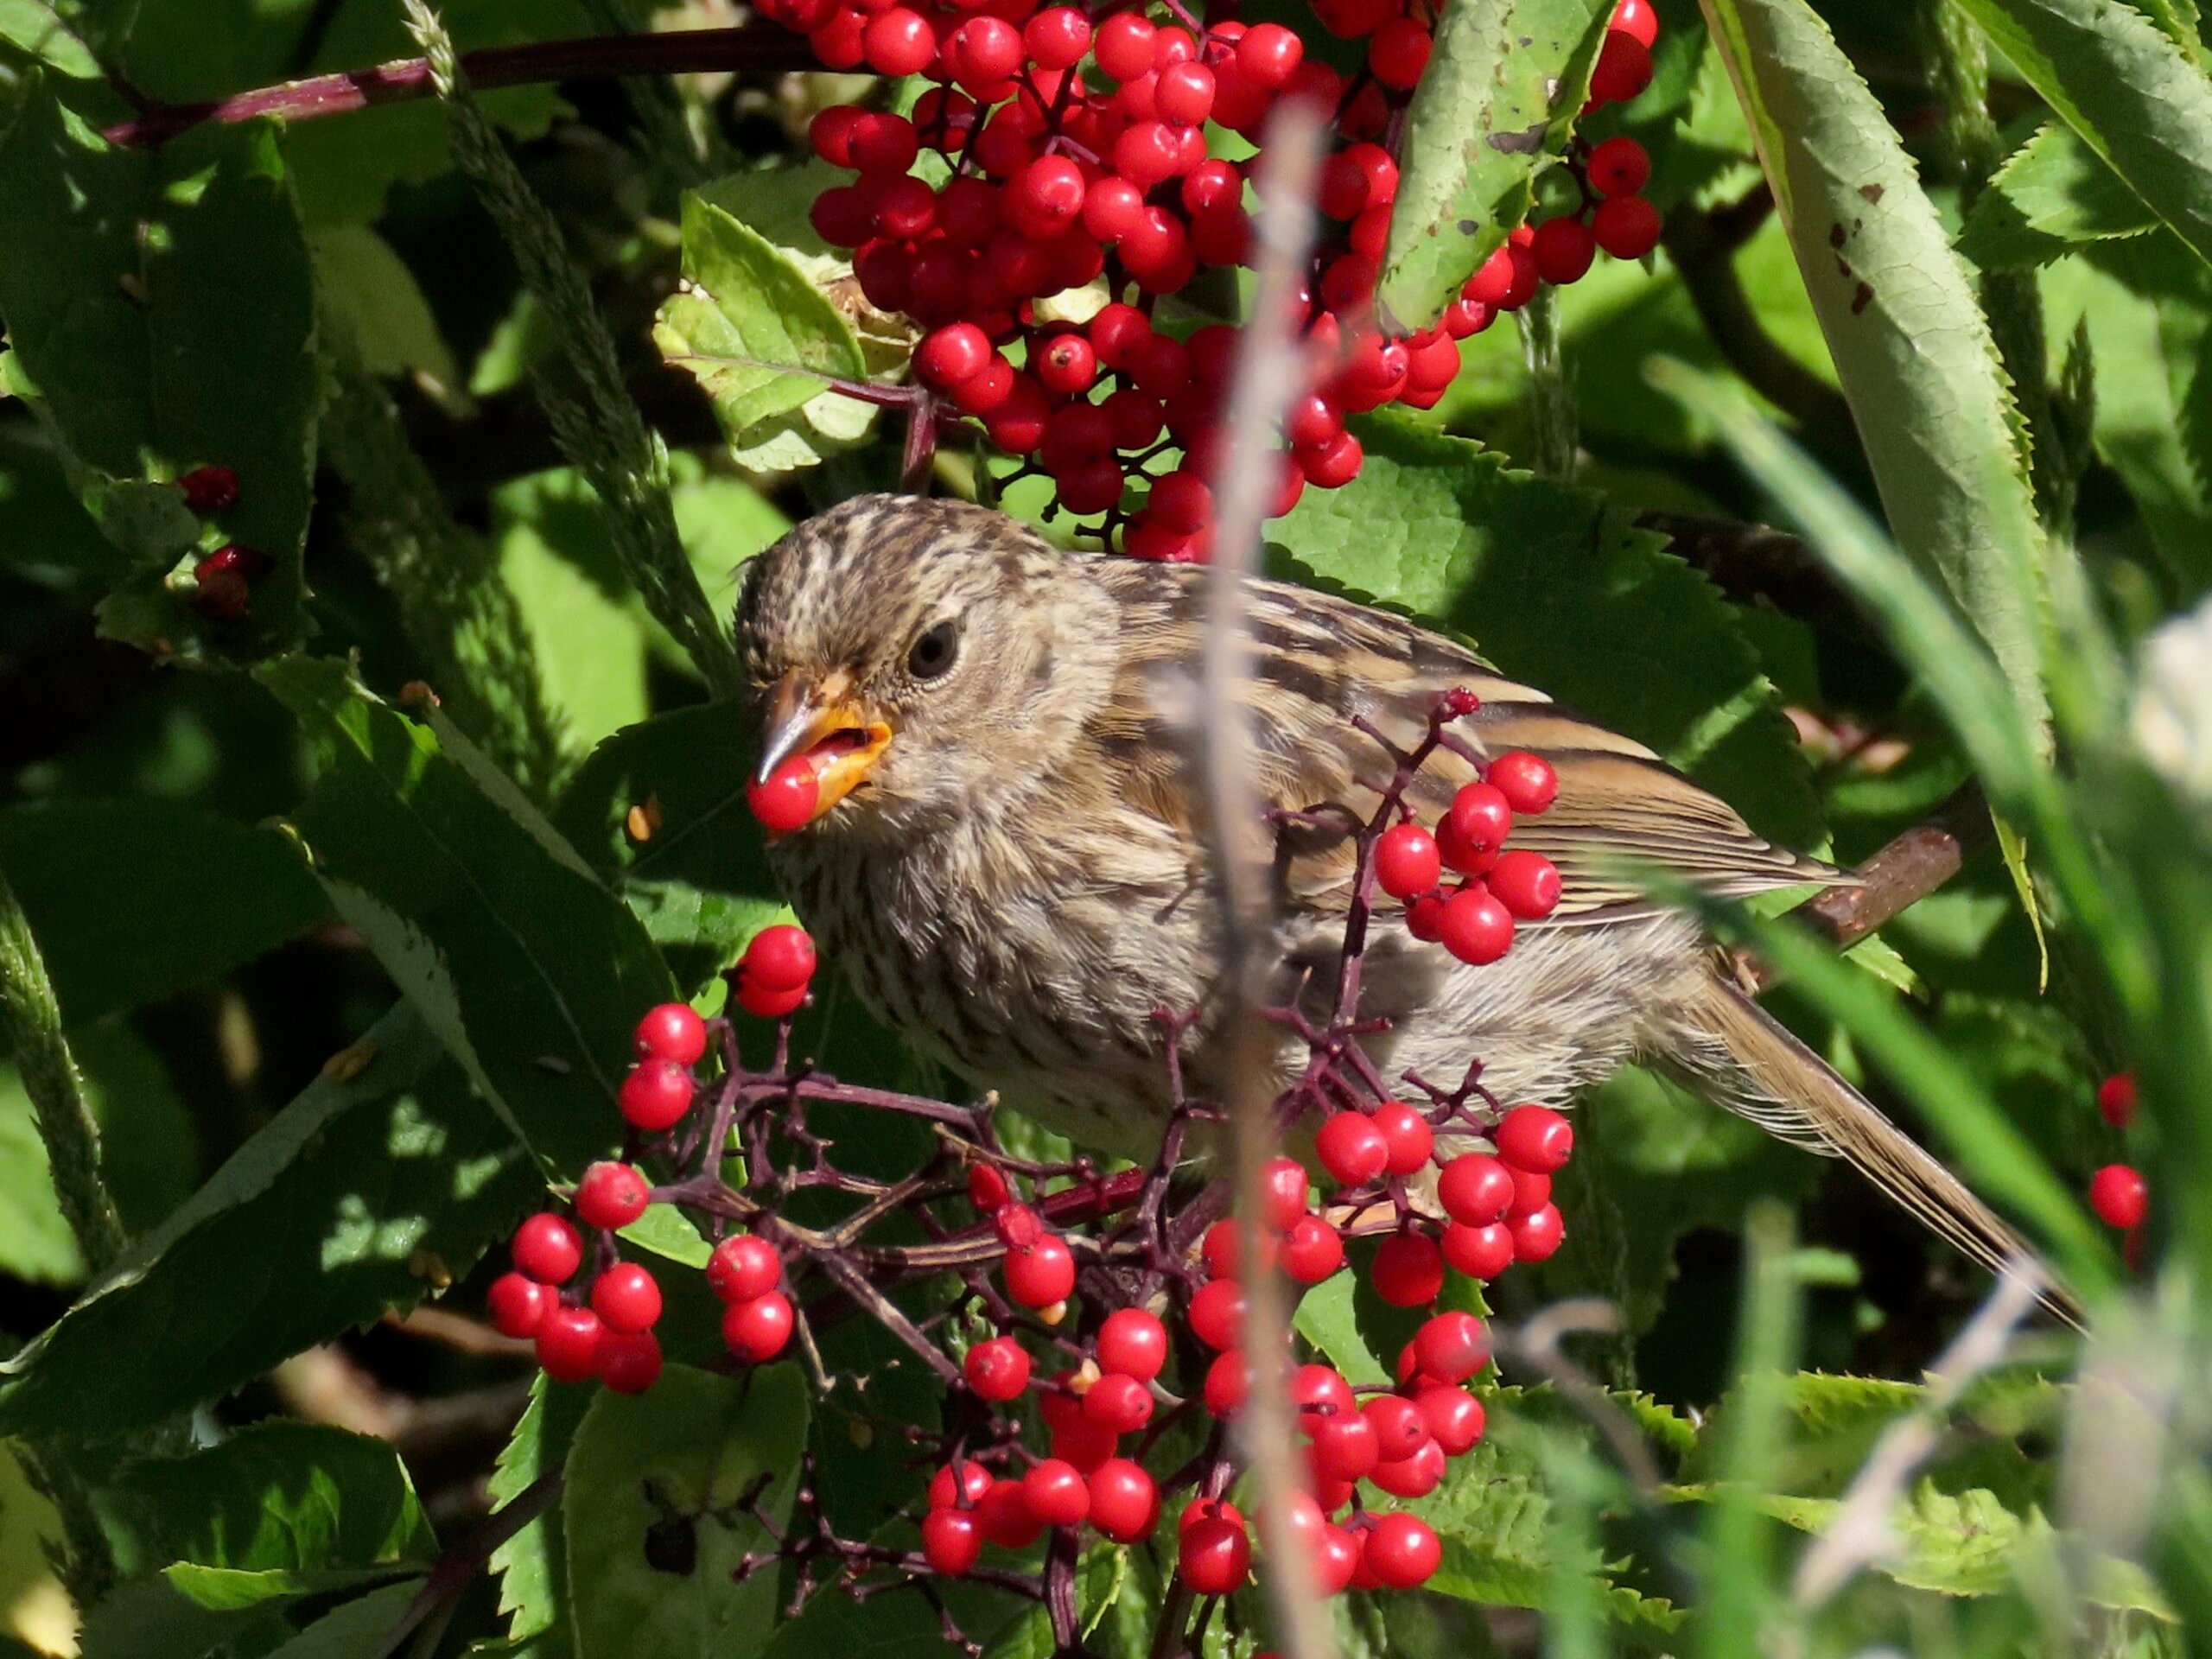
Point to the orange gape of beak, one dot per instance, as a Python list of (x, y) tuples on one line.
[(823, 722)]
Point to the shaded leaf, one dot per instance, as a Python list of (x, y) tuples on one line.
[(2052, 195), (528, 969), (159, 309), (32, 26), (352, 1199)]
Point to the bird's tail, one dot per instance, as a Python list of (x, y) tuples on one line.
[(1740, 1055)]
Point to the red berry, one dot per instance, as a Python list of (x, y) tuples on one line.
[(518, 1304), (611, 1196), (1624, 68), (1452, 1346), (1402, 1551), (1618, 167), (1185, 94), (883, 144), (1564, 248), (1334, 464), (1453, 1416), (1345, 1445), (759, 1329), (1057, 1493), (780, 958), (765, 1004), (1475, 927), (898, 42), (2119, 1196), (1221, 1249), (947, 356), (1133, 1342), (1534, 1138), (1398, 52), (209, 489), (626, 1298), (1400, 1428), (1482, 818), (998, 1370), (568, 1344), (1408, 1270), (1425, 917), (960, 1485), (1068, 364), (787, 800), (656, 1094), (1041, 1275), (1406, 863), (1217, 1313), (1003, 1514), (1124, 1501), (1407, 1134), (1532, 1191), (1479, 1252), (1057, 37), (986, 1188), (952, 1540), (1268, 55), (1119, 1404), (1627, 227), (629, 1362), (671, 1031), (1538, 1235), (547, 1249), (1228, 1384), (1636, 18), (1475, 1188), (1311, 1250), (2116, 1099), (1413, 1477), (1351, 1149), (1214, 1555), (982, 52), (1528, 781), (1282, 1192), (1526, 883), (1124, 46), (743, 1267)]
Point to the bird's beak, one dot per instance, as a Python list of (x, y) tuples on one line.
[(821, 719)]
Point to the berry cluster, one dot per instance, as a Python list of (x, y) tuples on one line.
[(1080, 145), (2117, 1193), (223, 581), (1475, 917)]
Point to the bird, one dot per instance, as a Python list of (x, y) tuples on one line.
[(1006, 858)]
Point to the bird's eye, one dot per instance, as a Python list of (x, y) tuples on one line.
[(934, 650)]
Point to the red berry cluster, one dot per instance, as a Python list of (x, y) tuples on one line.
[(1077, 140), (1475, 917), (222, 582), (2118, 1192)]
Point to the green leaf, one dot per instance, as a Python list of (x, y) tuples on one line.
[(31, 26), (700, 883), (1559, 592), (750, 327), (529, 969), (2130, 91), (533, 1565), (1326, 1317), (367, 290), (2053, 196), (1496, 103), (358, 1194), (681, 1459), (355, 1627), (205, 895), (1912, 350), (159, 304), (151, 1619), (276, 1495)]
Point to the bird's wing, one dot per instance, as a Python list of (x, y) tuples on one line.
[(1323, 666)]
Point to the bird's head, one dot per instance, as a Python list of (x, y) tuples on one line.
[(924, 656)]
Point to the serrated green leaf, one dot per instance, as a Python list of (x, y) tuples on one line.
[(667, 1231), (1559, 592), (533, 1565), (1325, 1317), (1912, 350), (2053, 196), (357, 1192), (528, 969), (206, 894), (1497, 102), (687, 1453), (750, 327), (2130, 91), (159, 303), (700, 883)]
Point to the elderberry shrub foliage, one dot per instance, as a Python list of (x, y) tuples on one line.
[(447, 1207)]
